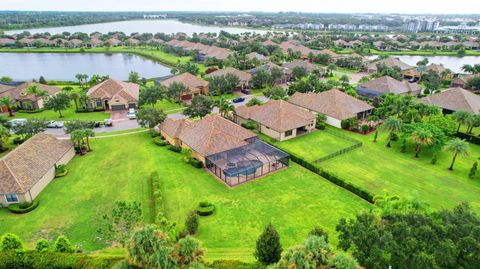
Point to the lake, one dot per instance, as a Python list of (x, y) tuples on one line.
[(139, 26), (453, 63), (64, 66)]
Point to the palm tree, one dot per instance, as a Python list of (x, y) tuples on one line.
[(457, 146), (77, 137), (225, 107), (88, 133), (468, 68), (393, 125), (463, 118), (384, 201), (421, 137), (9, 103), (74, 96), (84, 100)]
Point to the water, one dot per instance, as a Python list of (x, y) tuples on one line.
[(139, 26), (64, 66), (453, 63)]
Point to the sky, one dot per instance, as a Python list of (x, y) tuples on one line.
[(321, 6)]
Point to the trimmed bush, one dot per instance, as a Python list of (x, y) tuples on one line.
[(63, 245), (173, 148), (196, 163), (32, 111), (158, 140), (61, 170), (10, 242), (18, 140), (191, 223), (205, 208), (232, 264), (24, 207)]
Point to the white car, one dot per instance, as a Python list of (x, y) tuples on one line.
[(55, 124), (131, 114), (17, 122)]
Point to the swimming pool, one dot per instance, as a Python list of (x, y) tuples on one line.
[(243, 168)]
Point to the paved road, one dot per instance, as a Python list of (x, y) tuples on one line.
[(122, 123)]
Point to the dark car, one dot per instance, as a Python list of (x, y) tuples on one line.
[(238, 100), (246, 91)]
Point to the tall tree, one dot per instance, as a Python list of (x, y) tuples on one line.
[(58, 102), (225, 107), (133, 77), (421, 136), (151, 95), (4, 133), (268, 249), (457, 147), (176, 89), (200, 107), (150, 117), (463, 118)]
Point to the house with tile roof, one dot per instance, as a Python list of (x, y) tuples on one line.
[(454, 99), (462, 80), (114, 95), (387, 84), (244, 77), (194, 84), (28, 169), (278, 119), (28, 101), (334, 104), (388, 62), (230, 152)]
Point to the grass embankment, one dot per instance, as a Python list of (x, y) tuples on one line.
[(375, 168), (294, 200)]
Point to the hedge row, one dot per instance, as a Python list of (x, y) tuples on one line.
[(30, 111), (55, 260), (232, 264), (23, 208), (470, 138)]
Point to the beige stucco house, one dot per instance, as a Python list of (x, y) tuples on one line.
[(278, 119), (114, 95), (194, 84), (28, 169)]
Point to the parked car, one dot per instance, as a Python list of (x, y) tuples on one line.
[(108, 122), (97, 124), (131, 114), (238, 100), (246, 91), (55, 124), (17, 122)]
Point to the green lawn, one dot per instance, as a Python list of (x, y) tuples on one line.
[(168, 106), (294, 200), (375, 168), (68, 114), (329, 144)]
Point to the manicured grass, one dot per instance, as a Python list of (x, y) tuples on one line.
[(168, 106), (375, 168), (294, 200), (68, 115), (226, 96), (329, 144)]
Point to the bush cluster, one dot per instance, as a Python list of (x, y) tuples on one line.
[(159, 141), (24, 207), (61, 170), (30, 111), (205, 208), (195, 163), (175, 148), (470, 138), (88, 110)]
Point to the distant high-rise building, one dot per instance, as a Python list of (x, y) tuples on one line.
[(416, 26)]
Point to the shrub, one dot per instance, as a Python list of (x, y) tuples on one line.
[(10, 242), (63, 245), (174, 148), (196, 163), (42, 245), (153, 133), (24, 207), (343, 261), (268, 249), (61, 170), (205, 208), (18, 140), (473, 170), (250, 125), (30, 111), (317, 231), (159, 141), (191, 223), (365, 128), (232, 264)]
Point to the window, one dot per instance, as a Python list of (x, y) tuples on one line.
[(99, 103), (11, 198), (289, 133)]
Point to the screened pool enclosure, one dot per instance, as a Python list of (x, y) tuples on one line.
[(248, 162)]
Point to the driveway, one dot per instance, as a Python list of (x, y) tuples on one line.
[(118, 115)]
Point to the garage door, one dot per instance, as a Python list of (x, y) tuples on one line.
[(133, 105), (118, 107)]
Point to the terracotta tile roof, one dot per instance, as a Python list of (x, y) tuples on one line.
[(436, 68), (243, 76), (173, 128), (285, 46), (110, 88), (333, 103), (299, 63), (278, 115), (4, 90), (210, 135), (387, 84), (390, 62), (19, 92), (187, 79), (7, 41), (210, 51), (269, 43), (455, 99), (256, 55), (22, 168)]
